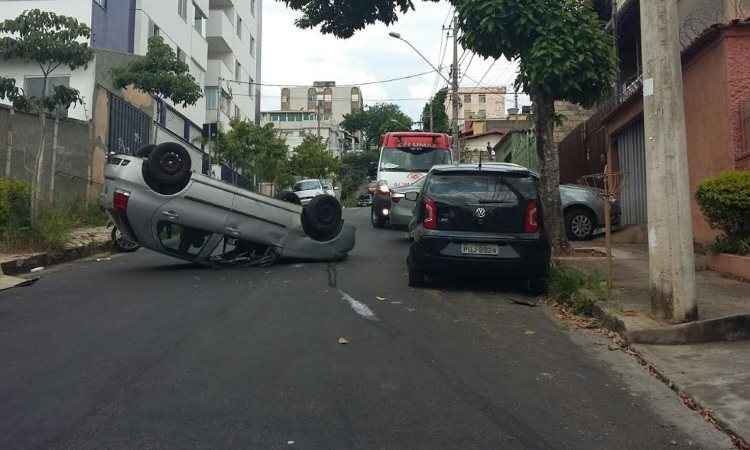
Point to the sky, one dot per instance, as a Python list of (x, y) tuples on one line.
[(298, 57)]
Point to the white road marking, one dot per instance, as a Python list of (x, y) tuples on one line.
[(358, 307)]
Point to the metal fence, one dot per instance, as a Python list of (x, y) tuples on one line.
[(129, 127), (631, 151)]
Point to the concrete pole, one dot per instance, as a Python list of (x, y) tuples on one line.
[(454, 93), (671, 257)]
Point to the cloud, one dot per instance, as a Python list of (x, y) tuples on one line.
[(299, 57)]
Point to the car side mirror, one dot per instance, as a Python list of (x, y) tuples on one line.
[(412, 196)]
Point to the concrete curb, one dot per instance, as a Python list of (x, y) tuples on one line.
[(26, 264), (723, 329)]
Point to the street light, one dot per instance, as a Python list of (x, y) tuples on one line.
[(395, 35)]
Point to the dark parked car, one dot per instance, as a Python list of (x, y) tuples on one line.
[(480, 220)]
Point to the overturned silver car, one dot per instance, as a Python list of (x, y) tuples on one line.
[(157, 201)]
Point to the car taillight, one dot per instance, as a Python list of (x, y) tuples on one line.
[(430, 214), (531, 219), (120, 203)]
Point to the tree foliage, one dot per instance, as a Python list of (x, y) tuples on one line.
[(50, 41), (256, 151), (161, 74), (375, 120), (436, 106), (312, 159), (354, 171)]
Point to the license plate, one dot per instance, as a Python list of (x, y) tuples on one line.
[(480, 249)]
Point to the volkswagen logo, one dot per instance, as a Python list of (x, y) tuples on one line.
[(480, 213)]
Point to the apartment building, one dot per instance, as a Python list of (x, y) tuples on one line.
[(295, 126), (333, 102), (202, 33), (478, 103)]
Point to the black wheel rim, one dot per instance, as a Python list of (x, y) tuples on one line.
[(171, 163)]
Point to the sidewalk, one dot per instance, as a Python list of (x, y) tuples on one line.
[(84, 242), (715, 375)]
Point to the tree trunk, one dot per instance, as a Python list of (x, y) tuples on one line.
[(549, 166), (53, 165), (36, 184), (11, 137)]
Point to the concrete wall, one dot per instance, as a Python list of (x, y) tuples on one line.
[(73, 162), (573, 115)]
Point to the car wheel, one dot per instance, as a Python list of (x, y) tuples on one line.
[(321, 218), (536, 286), (580, 224), (169, 165), (290, 197), (416, 278), (145, 151), (121, 243), (377, 220)]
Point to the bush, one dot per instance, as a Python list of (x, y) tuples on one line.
[(576, 289), (15, 212), (731, 245), (725, 202), (55, 228)]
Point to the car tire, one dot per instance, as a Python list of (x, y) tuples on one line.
[(169, 165), (290, 197), (377, 220), (416, 278), (122, 244), (536, 286), (145, 151), (322, 218), (580, 224)]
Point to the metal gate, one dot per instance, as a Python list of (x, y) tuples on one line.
[(129, 127), (631, 149)]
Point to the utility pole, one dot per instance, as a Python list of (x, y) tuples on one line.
[(432, 116), (670, 229), (454, 93)]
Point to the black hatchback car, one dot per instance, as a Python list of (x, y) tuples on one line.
[(480, 220)]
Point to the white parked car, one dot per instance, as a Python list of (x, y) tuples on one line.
[(306, 190)]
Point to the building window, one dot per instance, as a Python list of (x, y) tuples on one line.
[(212, 97), (482, 98), (482, 114), (239, 26), (199, 21), (33, 88), (102, 3), (468, 114), (252, 45), (312, 99), (182, 9), (467, 98), (252, 7), (237, 71), (155, 31)]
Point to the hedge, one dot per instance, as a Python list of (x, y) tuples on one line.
[(725, 202), (15, 213)]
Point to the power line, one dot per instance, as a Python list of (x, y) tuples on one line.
[(486, 73), (466, 71), (367, 83)]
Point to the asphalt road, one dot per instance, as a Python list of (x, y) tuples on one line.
[(145, 352)]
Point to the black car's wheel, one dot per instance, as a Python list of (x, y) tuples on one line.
[(169, 165), (536, 286), (416, 278), (123, 244), (145, 151), (580, 224), (377, 220), (321, 218), (290, 197)]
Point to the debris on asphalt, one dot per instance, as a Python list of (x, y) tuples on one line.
[(103, 259), (343, 340), (410, 309), (396, 303), (382, 299), (37, 269), (525, 301), (289, 442), (529, 332)]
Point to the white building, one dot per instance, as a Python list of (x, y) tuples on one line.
[(333, 102), (295, 126), (203, 33), (478, 103)]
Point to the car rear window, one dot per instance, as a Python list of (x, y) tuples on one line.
[(481, 187), (306, 186)]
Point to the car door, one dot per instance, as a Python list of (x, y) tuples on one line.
[(261, 220), (185, 225)]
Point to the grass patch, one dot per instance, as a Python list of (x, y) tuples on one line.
[(576, 289)]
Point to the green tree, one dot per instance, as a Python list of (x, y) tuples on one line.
[(256, 151), (376, 120), (50, 41), (563, 51), (160, 74), (354, 170), (436, 107), (312, 159)]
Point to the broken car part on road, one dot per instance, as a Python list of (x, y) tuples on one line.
[(157, 201)]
